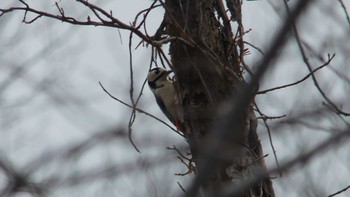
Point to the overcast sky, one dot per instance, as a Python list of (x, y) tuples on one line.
[(50, 99)]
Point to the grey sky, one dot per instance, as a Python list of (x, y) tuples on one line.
[(56, 100)]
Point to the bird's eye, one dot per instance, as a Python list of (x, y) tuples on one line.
[(157, 72)]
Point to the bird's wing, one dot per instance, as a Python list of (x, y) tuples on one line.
[(163, 108)]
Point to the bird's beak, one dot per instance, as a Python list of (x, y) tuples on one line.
[(169, 71)]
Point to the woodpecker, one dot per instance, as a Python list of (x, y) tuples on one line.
[(164, 91)]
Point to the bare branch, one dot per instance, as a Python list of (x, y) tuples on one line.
[(17, 181), (131, 93), (340, 191), (140, 110), (114, 22), (255, 47), (301, 80), (300, 159), (188, 162), (269, 134), (181, 187), (73, 151), (345, 11), (148, 10), (308, 65), (100, 173), (163, 56), (99, 12)]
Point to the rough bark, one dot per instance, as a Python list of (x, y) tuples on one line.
[(207, 70)]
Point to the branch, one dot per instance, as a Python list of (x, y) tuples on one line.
[(301, 80), (139, 110), (345, 11), (74, 151), (189, 164), (112, 22), (100, 13), (269, 134), (17, 181), (300, 159), (308, 65), (106, 172), (340, 191), (181, 187), (131, 93), (148, 10), (254, 47)]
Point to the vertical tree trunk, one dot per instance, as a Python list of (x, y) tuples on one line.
[(207, 70)]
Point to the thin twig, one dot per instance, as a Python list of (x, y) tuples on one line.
[(308, 65), (255, 161), (139, 110), (340, 191), (131, 93), (104, 173), (270, 137), (299, 159), (163, 56), (254, 47), (190, 166), (341, 75), (178, 183), (113, 22), (345, 11), (264, 117), (301, 80), (148, 10), (339, 115), (74, 151)]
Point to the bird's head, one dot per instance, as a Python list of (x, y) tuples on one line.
[(157, 77)]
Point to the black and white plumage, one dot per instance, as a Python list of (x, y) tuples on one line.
[(164, 91)]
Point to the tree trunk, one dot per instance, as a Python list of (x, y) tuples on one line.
[(206, 61)]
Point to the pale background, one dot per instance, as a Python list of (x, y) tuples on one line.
[(50, 100)]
